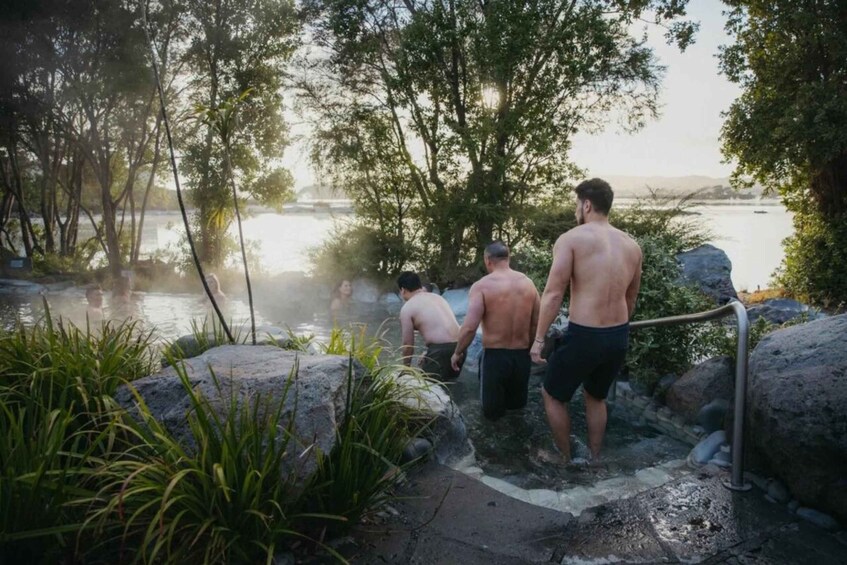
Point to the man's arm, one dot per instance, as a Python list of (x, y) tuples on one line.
[(554, 291), (407, 328), (634, 287), (476, 309), (533, 322)]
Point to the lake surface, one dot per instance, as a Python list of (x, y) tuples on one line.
[(750, 233)]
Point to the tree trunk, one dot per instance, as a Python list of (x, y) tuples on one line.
[(829, 188)]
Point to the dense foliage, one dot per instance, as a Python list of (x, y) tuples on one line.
[(81, 131), (786, 130), (449, 122), (81, 480)]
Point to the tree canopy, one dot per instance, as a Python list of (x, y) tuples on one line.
[(787, 129), (449, 119)]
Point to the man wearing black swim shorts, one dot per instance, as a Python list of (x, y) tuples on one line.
[(602, 266), (506, 303)]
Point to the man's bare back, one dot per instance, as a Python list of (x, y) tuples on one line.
[(430, 315), (604, 263), (508, 301)]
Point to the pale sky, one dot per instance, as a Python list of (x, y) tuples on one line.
[(683, 141)]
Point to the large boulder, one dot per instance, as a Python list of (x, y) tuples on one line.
[(708, 381), (797, 410), (457, 298), (192, 345), (447, 430), (781, 310), (709, 268), (247, 373)]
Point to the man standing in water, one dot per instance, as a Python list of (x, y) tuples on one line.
[(603, 267), (429, 314), (506, 303)]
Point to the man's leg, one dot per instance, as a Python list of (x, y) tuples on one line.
[(560, 423), (595, 416)]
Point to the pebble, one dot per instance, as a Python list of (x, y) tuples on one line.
[(757, 480), (817, 518), (707, 448), (778, 491), (720, 463)]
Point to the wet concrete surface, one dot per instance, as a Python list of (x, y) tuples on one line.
[(446, 517)]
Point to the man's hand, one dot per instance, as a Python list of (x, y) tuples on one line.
[(457, 360), (535, 352)]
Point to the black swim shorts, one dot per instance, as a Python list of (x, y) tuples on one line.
[(436, 361), (586, 356), (503, 380)]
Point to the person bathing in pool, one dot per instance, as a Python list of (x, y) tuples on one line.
[(602, 265)]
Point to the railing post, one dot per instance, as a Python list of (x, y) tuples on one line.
[(737, 482)]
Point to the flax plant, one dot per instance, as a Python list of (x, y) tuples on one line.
[(359, 473), (227, 499)]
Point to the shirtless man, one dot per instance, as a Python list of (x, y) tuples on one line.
[(431, 315), (603, 267), (506, 302)]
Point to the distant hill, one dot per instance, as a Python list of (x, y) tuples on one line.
[(710, 187)]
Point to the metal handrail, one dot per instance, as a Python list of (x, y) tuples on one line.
[(737, 482)]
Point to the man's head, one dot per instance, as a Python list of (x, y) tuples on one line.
[(496, 253), (593, 196), (408, 282)]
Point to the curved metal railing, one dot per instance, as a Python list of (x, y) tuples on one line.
[(734, 307)]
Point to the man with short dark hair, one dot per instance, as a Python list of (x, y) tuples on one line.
[(429, 314), (602, 265), (506, 303)]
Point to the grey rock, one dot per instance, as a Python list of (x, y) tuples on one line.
[(711, 416), (723, 456), (457, 298), (707, 448), (818, 518), (447, 432), (713, 379), (797, 410), (248, 373), (416, 448), (21, 287), (778, 491), (391, 302), (664, 385), (793, 505), (710, 269), (781, 310), (758, 480)]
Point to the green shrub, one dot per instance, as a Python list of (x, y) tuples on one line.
[(655, 352), (360, 250), (365, 463), (225, 501), (56, 412), (42, 466), (57, 360), (815, 265)]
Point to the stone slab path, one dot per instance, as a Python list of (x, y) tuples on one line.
[(445, 516)]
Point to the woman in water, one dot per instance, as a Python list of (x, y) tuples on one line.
[(342, 296)]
